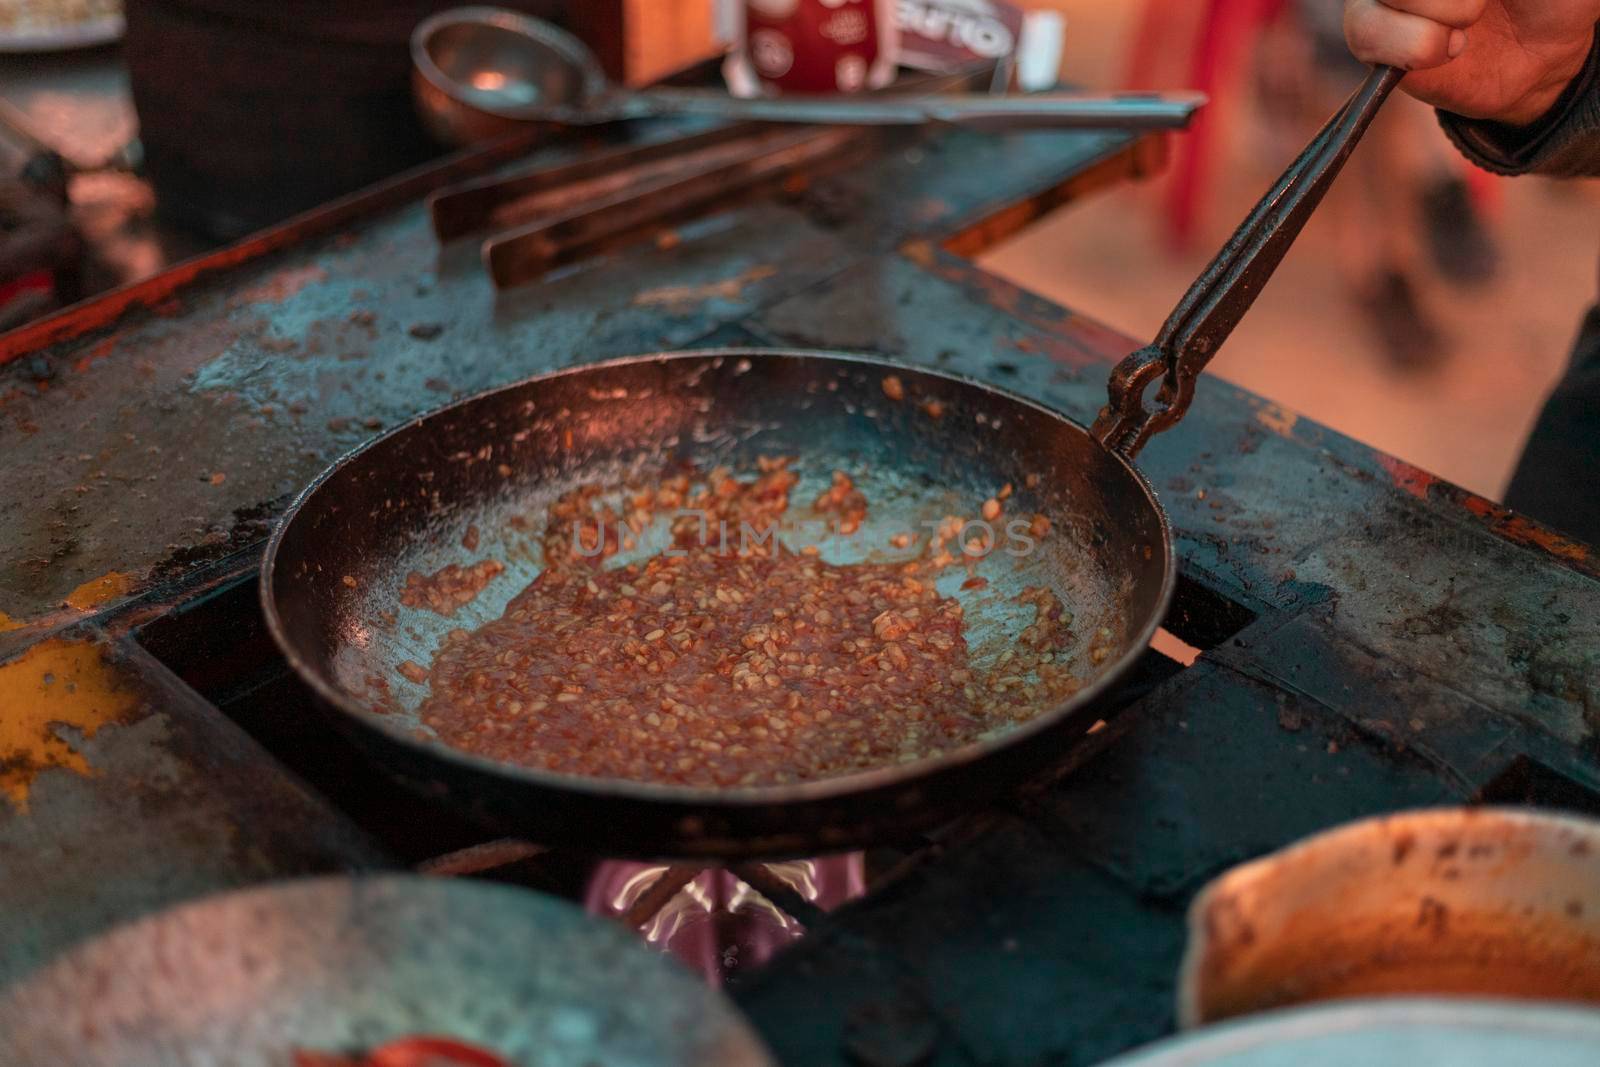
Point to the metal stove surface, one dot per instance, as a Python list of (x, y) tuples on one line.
[(1371, 638)]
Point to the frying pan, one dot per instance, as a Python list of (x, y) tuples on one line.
[(335, 564), (332, 965)]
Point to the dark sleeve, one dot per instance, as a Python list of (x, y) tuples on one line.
[(1565, 143)]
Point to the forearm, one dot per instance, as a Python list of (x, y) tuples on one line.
[(1564, 143)]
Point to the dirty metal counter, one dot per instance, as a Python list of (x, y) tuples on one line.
[(1371, 638)]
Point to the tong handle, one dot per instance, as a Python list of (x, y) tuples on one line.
[(505, 198), (1224, 292), (527, 252)]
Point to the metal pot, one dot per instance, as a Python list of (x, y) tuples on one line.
[(1477, 901)]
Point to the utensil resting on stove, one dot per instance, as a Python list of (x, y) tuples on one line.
[(480, 72)]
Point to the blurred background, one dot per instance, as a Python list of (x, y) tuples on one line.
[(1427, 310)]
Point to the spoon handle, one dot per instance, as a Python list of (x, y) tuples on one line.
[(1120, 111)]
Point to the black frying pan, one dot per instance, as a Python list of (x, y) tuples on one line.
[(403, 501)]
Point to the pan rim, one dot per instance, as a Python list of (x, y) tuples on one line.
[(738, 797)]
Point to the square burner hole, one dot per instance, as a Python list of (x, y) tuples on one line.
[(1199, 619), (1527, 782), (220, 647), (218, 644)]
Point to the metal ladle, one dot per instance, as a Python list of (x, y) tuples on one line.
[(482, 72)]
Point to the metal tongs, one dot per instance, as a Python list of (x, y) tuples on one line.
[(543, 217), (1213, 306)]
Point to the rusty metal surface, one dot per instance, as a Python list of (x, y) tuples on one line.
[(148, 455), (121, 792), (169, 436), (1372, 638)]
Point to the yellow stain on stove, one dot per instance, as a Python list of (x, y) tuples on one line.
[(7, 623), (101, 590), (56, 683), (1279, 420)]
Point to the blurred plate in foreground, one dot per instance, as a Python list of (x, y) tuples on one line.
[(341, 965), (1389, 1033)]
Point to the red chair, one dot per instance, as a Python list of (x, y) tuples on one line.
[(1223, 35)]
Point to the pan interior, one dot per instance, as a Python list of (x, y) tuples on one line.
[(495, 462)]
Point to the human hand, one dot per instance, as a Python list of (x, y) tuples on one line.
[(1502, 60)]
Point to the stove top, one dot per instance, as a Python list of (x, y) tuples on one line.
[(1372, 639), (721, 922)]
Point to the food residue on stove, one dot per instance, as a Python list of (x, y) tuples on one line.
[(727, 658), (450, 587)]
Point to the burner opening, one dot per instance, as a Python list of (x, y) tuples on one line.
[(724, 923), (1202, 618), (220, 647), (1527, 782)]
